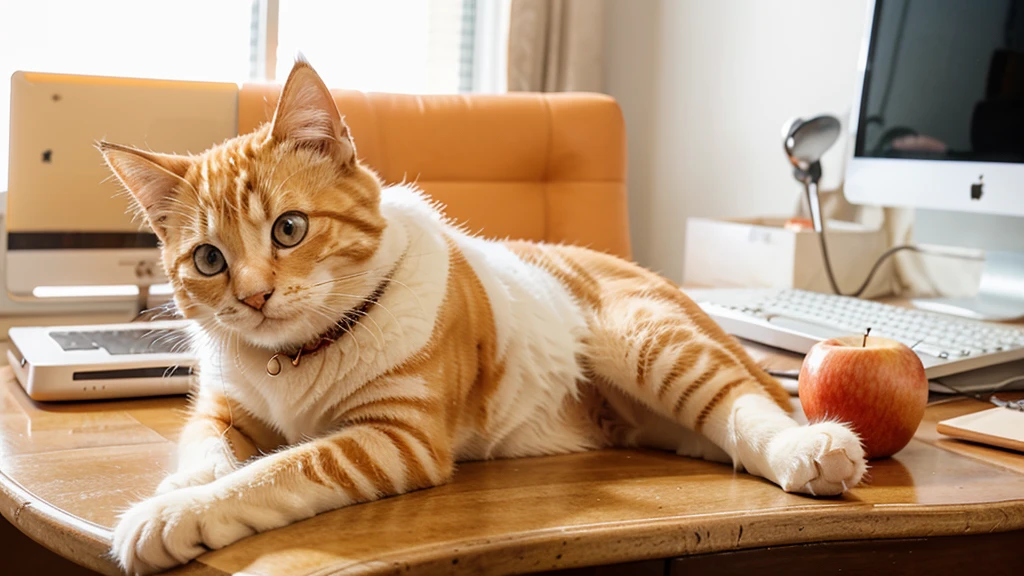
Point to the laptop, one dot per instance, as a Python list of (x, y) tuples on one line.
[(102, 361)]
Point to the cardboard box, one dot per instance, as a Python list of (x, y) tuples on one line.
[(761, 253)]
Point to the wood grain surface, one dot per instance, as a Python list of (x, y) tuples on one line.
[(67, 470)]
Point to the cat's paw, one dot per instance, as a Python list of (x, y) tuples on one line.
[(198, 476), (822, 459), (172, 529)]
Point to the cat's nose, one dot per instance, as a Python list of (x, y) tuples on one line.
[(256, 300)]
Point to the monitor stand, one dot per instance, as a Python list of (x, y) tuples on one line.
[(142, 301), (1000, 296)]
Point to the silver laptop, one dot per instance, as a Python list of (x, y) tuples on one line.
[(102, 361)]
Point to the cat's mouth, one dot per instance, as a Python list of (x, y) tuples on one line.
[(337, 331)]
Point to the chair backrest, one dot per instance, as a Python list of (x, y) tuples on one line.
[(544, 167)]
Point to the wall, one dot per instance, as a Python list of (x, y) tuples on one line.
[(705, 87)]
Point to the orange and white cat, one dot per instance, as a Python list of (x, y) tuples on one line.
[(355, 345)]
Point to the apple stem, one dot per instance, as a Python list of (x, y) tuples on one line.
[(864, 343)]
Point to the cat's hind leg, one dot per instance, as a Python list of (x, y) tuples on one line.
[(662, 351)]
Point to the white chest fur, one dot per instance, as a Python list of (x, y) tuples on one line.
[(538, 328), (296, 401)]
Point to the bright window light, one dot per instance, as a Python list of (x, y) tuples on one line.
[(410, 46), (161, 290), (85, 291), (181, 40)]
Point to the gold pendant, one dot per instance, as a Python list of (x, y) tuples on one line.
[(274, 366)]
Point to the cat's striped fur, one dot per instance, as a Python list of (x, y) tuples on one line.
[(475, 349)]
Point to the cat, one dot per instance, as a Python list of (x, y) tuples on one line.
[(354, 344)]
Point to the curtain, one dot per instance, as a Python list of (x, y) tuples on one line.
[(556, 45)]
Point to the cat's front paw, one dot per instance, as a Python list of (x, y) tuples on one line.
[(198, 476), (822, 459), (172, 529)]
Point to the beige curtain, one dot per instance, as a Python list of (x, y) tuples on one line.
[(556, 45)]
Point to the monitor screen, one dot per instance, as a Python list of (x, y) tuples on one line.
[(944, 80), (69, 223)]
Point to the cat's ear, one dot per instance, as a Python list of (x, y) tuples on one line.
[(307, 116), (148, 176)]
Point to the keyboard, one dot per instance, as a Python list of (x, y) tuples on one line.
[(123, 341), (796, 319)]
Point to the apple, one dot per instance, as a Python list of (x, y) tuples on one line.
[(876, 385)]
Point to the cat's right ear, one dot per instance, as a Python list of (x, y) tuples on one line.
[(148, 176), (307, 116)]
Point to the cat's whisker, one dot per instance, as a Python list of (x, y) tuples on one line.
[(411, 291), (359, 274), (348, 332), (345, 294), (380, 342), (340, 279), (381, 276), (401, 328), (238, 354), (167, 309), (366, 314)]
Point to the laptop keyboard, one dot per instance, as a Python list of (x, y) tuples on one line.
[(118, 342)]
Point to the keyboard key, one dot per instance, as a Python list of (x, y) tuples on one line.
[(931, 334), (73, 341), (120, 342)]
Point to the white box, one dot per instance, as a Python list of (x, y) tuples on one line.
[(762, 253)]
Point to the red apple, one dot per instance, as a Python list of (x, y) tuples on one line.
[(876, 385)]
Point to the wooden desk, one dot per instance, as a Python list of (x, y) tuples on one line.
[(66, 471)]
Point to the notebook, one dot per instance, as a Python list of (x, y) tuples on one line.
[(1000, 427)]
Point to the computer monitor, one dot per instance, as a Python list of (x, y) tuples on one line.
[(70, 232), (938, 125)]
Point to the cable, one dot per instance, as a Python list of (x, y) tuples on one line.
[(990, 393), (809, 178), (878, 263)]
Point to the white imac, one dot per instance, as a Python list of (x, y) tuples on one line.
[(938, 125), (70, 233)]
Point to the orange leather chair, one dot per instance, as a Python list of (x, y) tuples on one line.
[(544, 167)]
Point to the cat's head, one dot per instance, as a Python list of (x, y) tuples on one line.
[(257, 232)]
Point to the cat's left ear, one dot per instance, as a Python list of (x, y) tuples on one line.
[(307, 116), (151, 178)]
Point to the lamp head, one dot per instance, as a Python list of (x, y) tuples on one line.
[(806, 141)]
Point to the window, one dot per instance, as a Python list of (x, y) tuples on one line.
[(416, 46), (413, 46)]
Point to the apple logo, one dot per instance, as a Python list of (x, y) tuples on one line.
[(976, 188)]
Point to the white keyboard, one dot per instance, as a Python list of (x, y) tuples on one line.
[(796, 320)]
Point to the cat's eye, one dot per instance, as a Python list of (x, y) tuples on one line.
[(289, 229), (209, 260)]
